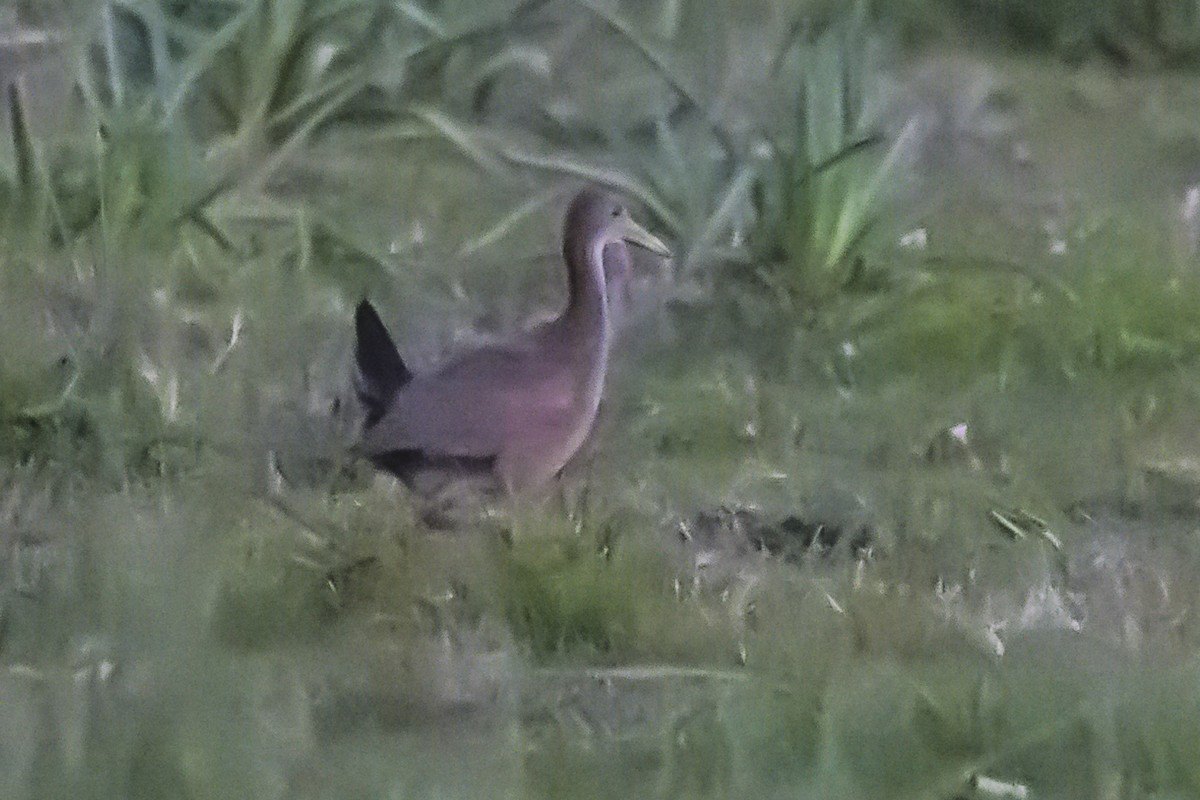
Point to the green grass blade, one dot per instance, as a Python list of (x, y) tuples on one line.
[(507, 223), (468, 139), (661, 65), (199, 61), (564, 164), (22, 141)]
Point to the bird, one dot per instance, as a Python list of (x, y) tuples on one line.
[(517, 411)]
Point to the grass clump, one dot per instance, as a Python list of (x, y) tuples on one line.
[(821, 189), (566, 597), (559, 601), (611, 589), (950, 329), (1119, 306), (268, 592), (1140, 314)]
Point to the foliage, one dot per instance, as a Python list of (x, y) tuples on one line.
[(1142, 31), (1144, 34), (815, 200)]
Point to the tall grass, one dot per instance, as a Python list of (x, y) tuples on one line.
[(816, 200)]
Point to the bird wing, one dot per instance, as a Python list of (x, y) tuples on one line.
[(381, 370), (476, 404)]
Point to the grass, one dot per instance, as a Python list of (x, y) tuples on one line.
[(202, 595), (814, 202), (1127, 33)]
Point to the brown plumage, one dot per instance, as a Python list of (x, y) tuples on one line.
[(520, 409)]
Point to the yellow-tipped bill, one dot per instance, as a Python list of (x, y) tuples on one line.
[(635, 234)]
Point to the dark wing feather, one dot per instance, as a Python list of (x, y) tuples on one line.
[(381, 371)]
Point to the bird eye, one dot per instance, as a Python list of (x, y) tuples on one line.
[(618, 211)]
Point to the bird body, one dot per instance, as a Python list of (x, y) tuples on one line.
[(520, 409)]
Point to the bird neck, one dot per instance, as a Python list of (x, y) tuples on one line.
[(586, 318)]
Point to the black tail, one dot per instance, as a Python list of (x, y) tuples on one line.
[(381, 371)]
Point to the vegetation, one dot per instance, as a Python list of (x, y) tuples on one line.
[(894, 489)]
